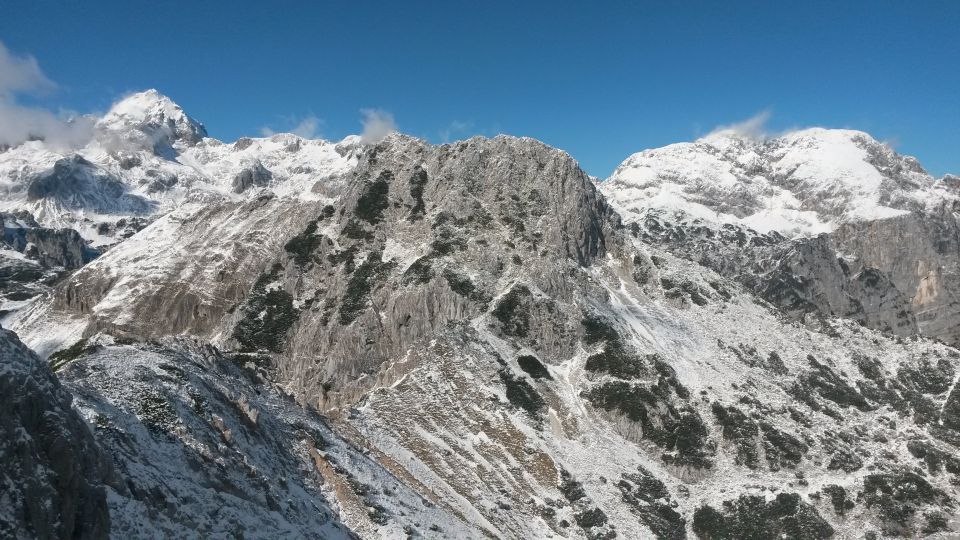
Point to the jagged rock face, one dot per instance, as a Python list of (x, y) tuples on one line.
[(891, 227), (52, 482), (921, 255), (33, 258), (49, 247), (749, 425), (75, 183), (806, 278), (256, 175), (206, 448), (425, 236)]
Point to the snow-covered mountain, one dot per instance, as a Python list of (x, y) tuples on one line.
[(148, 157), (804, 182), (501, 348), (890, 256)]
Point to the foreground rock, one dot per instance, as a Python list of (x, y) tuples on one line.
[(53, 477), (204, 447)]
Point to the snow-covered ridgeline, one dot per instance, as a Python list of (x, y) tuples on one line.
[(801, 183)]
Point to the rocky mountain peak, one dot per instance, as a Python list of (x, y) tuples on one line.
[(157, 117)]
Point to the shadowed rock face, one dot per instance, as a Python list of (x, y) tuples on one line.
[(207, 448), (256, 175), (806, 278), (52, 483), (36, 257), (49, 247), (920, 253), (75, 183)]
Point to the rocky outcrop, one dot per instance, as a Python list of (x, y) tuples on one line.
[(255, 175), (52, 485), (920, 254), (429, 235), (33, 258), (75, 183), (63, 248), (203, 261), (806, 278)]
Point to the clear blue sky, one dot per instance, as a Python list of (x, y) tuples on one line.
[(598, 79)]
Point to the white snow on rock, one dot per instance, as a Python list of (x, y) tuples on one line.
[(802, 183), (147, 157)]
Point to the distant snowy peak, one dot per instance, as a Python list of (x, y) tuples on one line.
[(155, 115), (804, 182), (147, 156)]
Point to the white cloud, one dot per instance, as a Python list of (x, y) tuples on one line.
[(377, 124), (19, 123), (307, 127), (455, 127), (754, 127), (19, 76)]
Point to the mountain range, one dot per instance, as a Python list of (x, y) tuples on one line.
[(736, 337)]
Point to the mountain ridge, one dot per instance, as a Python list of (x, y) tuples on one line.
[(801, 183)]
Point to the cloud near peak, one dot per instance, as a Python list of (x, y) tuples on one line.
[(754, 128), (308, 127), (22, 76), (377, 124)]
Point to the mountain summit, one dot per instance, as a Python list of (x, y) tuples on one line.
[(154, 115), (801, 183)]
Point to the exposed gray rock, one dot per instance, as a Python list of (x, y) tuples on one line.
[(242, 143), (806, 278), (229, 246), (920, 254), (49, 247), (35, 257), (53, 474), (429, 235), (75, 183), (256, 175)]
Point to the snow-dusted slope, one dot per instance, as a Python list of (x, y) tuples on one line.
[(804, 182), (202, 448)]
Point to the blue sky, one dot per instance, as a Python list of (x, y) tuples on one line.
[(598, 79)]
